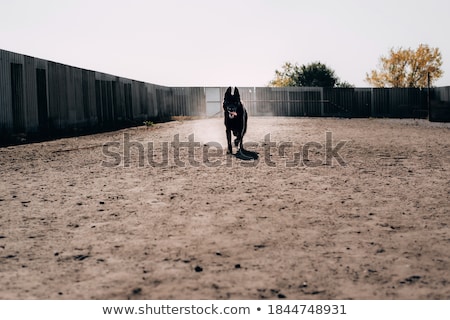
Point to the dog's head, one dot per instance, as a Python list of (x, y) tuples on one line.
[(232, 103)]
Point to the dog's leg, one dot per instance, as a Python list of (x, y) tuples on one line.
[(230, 148), (237, 140)]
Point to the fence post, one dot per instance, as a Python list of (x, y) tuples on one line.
[(428, 96), (322, 107), (372, 105)]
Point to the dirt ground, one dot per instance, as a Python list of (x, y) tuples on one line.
[(360, 212)]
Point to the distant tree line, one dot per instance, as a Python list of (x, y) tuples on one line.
[(315, 74), (401, 68)]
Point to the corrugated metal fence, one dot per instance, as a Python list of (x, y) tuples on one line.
[(40, 96), (337, 102), (43, 97), (440, 104)]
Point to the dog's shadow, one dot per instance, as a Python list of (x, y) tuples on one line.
[(246, 155)]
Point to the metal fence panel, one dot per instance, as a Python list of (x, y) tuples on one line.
[(6, 118), (440, 104)]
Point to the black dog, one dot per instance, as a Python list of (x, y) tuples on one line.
[(235, 118)]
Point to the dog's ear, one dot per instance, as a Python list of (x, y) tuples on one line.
[(228, 94), (237, 96)]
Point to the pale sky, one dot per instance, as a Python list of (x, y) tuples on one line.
[(222, 43)]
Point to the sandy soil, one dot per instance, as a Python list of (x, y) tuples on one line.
[(91, 218)]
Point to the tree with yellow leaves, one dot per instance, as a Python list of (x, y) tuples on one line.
[(407, 68)]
